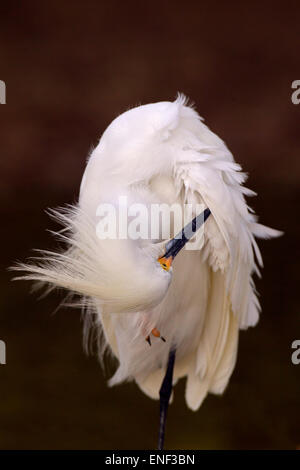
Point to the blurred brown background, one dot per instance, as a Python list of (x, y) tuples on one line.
[(70, 67)]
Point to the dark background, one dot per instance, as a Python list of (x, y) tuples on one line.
[(70, 67)]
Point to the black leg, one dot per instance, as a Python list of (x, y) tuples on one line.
[(165, 393)]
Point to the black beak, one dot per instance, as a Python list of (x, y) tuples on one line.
[(178, 242)]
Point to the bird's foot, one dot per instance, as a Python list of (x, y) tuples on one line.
[(155, 332)]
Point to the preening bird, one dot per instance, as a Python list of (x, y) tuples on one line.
[(191, 310)]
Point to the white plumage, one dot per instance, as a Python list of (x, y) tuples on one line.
[(163, 153)]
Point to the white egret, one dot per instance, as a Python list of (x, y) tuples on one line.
[(162, 153)]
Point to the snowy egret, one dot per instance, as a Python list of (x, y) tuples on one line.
[(131, 291)]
